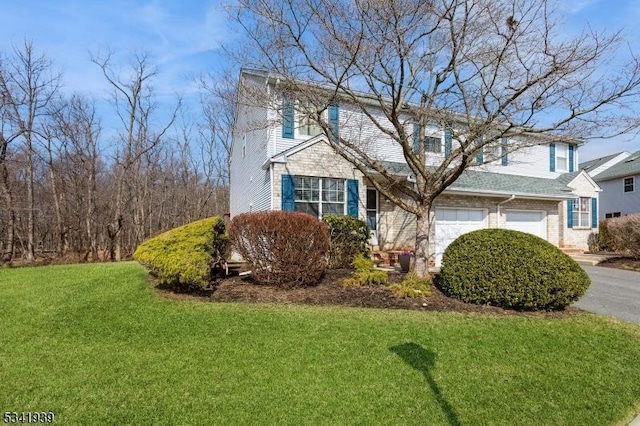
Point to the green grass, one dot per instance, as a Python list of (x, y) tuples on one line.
[(96, 345)]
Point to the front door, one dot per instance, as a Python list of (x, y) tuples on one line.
[(372, 215)]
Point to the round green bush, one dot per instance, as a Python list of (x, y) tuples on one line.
[(511, 269), (184, 255)]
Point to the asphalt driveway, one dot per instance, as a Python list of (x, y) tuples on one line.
[(613, 292)]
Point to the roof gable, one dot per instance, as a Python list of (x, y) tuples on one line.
[(629, 166)]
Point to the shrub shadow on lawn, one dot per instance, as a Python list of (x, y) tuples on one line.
[(424, 360)]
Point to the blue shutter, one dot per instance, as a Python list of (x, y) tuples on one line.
[(571, 147), (504, 148), (416, 138), (594, 212), (288, 118), (352, 197), (448, 143), (552, 157), (334, 123), (288, 193), (570, 213), (480, 151)]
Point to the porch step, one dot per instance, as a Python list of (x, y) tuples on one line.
[(571, 250), (236, 267)]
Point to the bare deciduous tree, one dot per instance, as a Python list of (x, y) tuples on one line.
[(28, 85), (482, 69), (134, 104)]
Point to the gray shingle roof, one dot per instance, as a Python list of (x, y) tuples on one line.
[(594, 164), (628, 167), (500, 183)]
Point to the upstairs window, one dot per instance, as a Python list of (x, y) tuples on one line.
[(307, 126), (562, 157), (629, 184), (433, 144)]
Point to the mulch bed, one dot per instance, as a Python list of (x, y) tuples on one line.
[(330, 292), (622, 262)]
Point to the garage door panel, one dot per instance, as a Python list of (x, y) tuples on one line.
[(532, 222), (451, 223)]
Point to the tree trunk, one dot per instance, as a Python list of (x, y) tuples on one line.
[(30, 254), (423, 239), (11, 225)]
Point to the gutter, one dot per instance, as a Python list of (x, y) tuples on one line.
[(513, 197)]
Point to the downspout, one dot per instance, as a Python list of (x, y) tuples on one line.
[(513, 197)]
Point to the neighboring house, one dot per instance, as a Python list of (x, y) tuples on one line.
[(619, 176), (287, 164)]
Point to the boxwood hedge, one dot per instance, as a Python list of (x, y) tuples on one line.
[(348, 237), (511, 269), (184, 256)]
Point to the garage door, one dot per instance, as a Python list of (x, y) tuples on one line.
[(451, 223), (533, 222)]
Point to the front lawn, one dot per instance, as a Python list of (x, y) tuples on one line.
[(96, 345)]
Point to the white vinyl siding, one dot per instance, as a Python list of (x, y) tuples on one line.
[(250, 184)]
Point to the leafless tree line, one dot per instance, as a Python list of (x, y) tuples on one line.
[(71, 189)]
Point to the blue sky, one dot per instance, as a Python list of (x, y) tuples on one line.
[(184, 38)]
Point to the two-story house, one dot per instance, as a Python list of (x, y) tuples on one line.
[(618, 175), (282, 161)]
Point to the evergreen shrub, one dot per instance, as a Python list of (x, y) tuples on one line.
[(285, 249), (365, 273), (412, 286), (348, 237), (511, 269), (185, 255)]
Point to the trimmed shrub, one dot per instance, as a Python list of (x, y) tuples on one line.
[(624, 233), (365, 273), (348, 237), (285, 249), (604, 239), (511, 269), (184, 256), (412, 286)]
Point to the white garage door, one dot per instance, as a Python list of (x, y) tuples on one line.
[(451, 223), (533, 222)]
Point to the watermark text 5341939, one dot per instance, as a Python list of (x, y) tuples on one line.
[(28, 417)]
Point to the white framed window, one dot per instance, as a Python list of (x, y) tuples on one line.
[(562, 157), (612, 215), (307, 126), (492, 151), (582, 212), (320, 196), (629, 184), (433, 144)]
